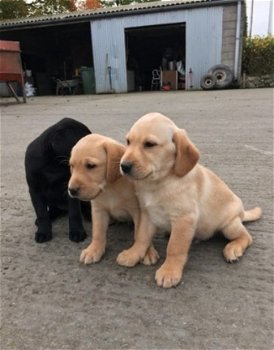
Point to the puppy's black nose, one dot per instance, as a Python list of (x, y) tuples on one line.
[(126, 167), (74, 192)]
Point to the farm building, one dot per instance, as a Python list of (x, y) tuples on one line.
[(117, 49)]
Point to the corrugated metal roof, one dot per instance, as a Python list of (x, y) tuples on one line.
[(81, 16)]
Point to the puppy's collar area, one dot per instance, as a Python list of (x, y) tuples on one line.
[(97, 195)]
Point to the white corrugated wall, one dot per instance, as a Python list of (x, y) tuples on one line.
[(203, 44)]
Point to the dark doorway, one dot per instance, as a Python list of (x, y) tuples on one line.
[(53, 52), (152, 47)]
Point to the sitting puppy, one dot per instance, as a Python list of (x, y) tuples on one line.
[(180, 196), (95, 176), (47, 174)]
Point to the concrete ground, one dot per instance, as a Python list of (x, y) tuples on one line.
[(52, 302)]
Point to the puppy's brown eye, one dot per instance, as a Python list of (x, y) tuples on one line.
[(128, 142), (90, 166), (149, 144)]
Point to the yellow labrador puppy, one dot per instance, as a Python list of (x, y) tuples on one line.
[(95, 177), (180, 196)]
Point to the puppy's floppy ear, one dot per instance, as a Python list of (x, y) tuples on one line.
[(187, 155), (114, 152)]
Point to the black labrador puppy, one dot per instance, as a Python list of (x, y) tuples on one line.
[(47, 174)]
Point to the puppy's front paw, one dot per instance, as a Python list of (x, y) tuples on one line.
[(168, 276), (128, 258), (77, 236), (43, 236), (151, 256), (91, 254)]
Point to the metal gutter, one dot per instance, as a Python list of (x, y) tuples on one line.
[(71, 18)]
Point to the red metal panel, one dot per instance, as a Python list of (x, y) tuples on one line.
[(10, 64), (9, 46), (10, 60)]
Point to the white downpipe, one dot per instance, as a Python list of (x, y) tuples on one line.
[(270, 18), (237, 42)]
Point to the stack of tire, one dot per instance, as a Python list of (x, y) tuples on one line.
[(217, 77)]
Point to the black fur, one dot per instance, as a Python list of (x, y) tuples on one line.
[(48, 173)]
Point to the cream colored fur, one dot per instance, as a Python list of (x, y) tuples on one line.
[(95, 177), (179, 195)]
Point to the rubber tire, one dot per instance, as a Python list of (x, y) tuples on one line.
[(222, 74), (208, 82)]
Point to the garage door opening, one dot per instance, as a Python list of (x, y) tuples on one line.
[(156, 47), (56, 53)]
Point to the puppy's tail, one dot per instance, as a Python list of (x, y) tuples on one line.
[(252, 214)]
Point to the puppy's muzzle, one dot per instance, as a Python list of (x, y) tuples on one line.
[(126, 167), (74, 191)]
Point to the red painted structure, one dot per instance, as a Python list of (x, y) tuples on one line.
[(11, 66)]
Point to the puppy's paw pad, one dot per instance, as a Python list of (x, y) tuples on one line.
[(151, 257), (232, 252), (168, 277), (127, 258), (91, 255)]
